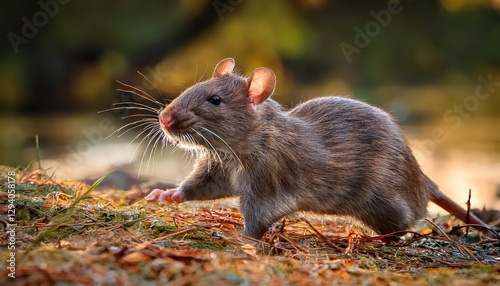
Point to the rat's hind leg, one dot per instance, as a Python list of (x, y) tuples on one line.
[(260, 216)]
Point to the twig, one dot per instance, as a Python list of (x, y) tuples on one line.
[(254, 239), (478, 226), (325, 239), (292, 242), (461, 247), (135, 238), (468, 214), (38, 153), (168, 236), (396, 234)]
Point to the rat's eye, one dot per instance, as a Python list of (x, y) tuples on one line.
[(215, 100)]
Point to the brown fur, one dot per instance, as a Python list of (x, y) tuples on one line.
[(329, 155)]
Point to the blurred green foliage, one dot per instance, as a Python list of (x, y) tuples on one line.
[(73, 59)]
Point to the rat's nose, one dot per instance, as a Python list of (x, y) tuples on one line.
[(166, 119)]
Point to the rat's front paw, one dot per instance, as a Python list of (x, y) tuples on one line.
[(169, 196)]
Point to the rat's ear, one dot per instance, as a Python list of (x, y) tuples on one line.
[(261, 85), (224, 67)]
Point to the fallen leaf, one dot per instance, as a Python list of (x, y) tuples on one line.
[(426, 231), (249, 249), (135, 258)]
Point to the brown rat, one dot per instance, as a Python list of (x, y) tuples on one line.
[(330, 155)]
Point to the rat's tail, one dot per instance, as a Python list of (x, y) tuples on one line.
[(442, 200)]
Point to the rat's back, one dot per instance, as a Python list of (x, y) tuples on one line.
[(351, 125), (369, 160)]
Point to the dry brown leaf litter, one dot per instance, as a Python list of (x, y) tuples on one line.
[(113, 237)]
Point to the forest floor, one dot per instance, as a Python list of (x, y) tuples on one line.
[(57, 231)]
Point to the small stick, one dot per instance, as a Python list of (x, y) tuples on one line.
[(168, 236), (292, 242), (38, 153), (468, 214), (325, 239), (478, 226), (461, 247)]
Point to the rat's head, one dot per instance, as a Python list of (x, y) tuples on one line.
[(218, 113)]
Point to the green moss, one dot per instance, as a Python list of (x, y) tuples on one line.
[(206, 245), (159, 227)]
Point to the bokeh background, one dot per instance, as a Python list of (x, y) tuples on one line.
[(435, 65)]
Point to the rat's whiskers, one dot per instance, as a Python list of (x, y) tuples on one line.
[(136, 105), (147, 128), (152, 135), (142, 115), (141, 122), (146, 110), (208, 142), (159, 137), (225, 143), (128, 108), (139, 92), (159, 92), (151, 130)]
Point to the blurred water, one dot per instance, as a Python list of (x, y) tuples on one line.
[(457, 170)]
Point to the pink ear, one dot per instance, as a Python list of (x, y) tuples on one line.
[(261, 85), (224, 67)]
